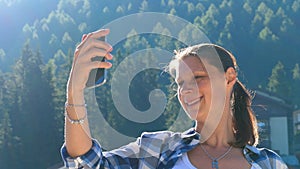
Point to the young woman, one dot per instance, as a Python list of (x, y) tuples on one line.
[(225, 134)]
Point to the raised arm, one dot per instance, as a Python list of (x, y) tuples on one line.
[(77, 133)]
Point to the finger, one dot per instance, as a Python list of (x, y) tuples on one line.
[(109, 56), (99, 64), (99, 44), (95, 52), (83, 37), (94, 47), (99, 33), (80, 45), (89, 41)]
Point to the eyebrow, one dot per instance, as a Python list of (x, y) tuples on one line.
[(198, 72)]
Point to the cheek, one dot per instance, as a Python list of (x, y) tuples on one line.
[(204, 86)]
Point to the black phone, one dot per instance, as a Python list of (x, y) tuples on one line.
[(97, 77)]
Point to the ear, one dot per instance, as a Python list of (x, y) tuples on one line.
[(230, 75)]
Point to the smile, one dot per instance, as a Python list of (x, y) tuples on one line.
[(193, 101)]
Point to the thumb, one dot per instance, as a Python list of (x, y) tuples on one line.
[(83, 37)]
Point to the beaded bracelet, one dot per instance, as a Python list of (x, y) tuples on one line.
[(77, 121)]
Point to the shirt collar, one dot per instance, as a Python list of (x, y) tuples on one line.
[(251, 149), (193, 134), (188, 140)]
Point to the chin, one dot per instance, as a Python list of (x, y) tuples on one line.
[(192, 114)]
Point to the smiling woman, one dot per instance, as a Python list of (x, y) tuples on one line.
[(227, 141)]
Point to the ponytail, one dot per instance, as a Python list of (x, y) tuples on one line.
[(244, 120)]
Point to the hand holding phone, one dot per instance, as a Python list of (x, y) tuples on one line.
[(97, 77)]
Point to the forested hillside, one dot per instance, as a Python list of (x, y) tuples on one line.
[(263, 35)]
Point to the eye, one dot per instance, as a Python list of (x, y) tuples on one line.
[(199, 77)]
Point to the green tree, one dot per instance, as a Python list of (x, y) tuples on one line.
[(10, 143), (295, 85), (35, 120), (247, 8), (144, 6), (200, 8), (173, 11), (58, 71), (164, 39), (120, 9), (225, 36), (171, 3), (138, 41), (279, 82), (296, 72), (296, 5), (281, 22), (105, 9), (262, 18), (209, 22), (267, 34)]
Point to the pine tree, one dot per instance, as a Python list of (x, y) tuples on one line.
[(225, 36), (164, 39), (279, 82), (60, 77), (34, 121), (295, 85), (9, 144), (209, 22), (144, 6)]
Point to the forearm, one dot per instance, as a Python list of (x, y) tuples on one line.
[(77, 136)]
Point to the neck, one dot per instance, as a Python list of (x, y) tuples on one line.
[(223, 134)]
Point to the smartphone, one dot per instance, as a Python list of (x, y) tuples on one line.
[(97, 77)]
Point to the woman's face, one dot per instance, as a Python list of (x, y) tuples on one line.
[(194, 87)]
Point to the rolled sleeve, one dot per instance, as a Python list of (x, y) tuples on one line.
[(89, 160)]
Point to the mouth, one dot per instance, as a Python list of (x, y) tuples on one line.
[(192, 102)]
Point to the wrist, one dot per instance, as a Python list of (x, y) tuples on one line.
[(75, 97)]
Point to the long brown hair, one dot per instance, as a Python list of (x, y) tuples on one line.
[(244, 120)]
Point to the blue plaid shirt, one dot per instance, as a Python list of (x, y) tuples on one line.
[(160, 150)]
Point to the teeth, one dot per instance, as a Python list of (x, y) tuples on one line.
[(193, 102)]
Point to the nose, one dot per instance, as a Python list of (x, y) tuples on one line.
[(186, 89)]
